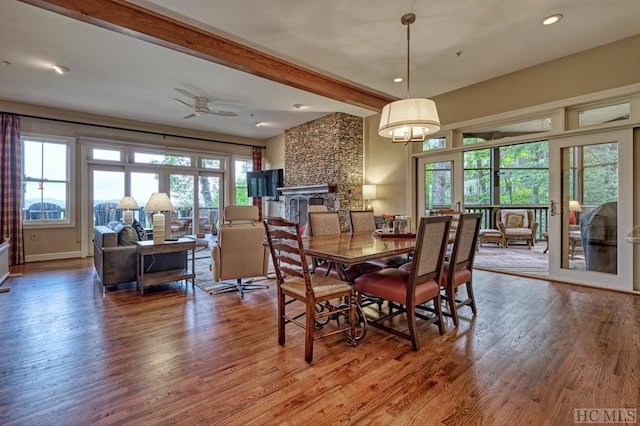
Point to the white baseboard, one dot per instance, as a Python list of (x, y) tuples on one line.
[(52, 256)]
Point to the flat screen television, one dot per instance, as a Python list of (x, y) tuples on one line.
[(265, 183)]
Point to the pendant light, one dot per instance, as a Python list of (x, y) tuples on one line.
[(411, 119)]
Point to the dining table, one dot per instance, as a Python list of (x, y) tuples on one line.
[(351, 248), (347, 250)]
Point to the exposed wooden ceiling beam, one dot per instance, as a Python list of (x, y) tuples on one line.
[(144, 24)]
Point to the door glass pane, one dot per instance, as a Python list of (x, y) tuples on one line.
[(437, 185), (208, 204), (142, 186), (108, 190), (590, 198), (181, 189)]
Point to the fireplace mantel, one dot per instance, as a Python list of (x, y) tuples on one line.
[(321, 188)]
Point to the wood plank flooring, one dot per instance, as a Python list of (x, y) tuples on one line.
[(534, 353)]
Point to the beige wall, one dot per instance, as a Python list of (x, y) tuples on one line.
[(63, 242), (607, 67), (602, 68), (274, 159)]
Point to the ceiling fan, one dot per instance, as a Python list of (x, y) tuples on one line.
[(200, 105)]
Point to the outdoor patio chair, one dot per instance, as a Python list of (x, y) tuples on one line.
[(517, 224)]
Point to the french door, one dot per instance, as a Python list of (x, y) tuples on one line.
[(440, 183), (591, 209)]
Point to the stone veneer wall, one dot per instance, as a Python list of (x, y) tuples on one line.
[(328, 150)]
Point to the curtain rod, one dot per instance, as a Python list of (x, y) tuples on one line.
[(148, 132)]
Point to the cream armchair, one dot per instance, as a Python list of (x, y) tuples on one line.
[(240, 251), (517, 224)]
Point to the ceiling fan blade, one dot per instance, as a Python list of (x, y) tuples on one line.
[(183, 103), (222, 113), (189, 116), (228, 104), (185, 92)]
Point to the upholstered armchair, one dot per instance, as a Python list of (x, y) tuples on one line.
[(240, 251), (517, 224)]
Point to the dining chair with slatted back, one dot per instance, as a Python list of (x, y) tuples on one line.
[(411, 291), (297, 284), (458, 270)]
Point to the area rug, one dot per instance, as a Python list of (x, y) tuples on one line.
[(519, 258), (204, 276)]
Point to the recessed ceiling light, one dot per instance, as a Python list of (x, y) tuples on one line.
[(398, 80), (60, 69), (552, 19), (259, 123)]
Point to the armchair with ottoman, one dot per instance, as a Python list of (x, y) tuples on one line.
[(115, 258)]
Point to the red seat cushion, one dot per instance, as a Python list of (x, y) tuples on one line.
[(460, 277), (391, 284)]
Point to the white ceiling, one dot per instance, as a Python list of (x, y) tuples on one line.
[(360, 41)]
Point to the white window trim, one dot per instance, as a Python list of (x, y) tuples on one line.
[(70, 208)]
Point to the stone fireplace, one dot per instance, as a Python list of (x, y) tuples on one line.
[(324, 165)]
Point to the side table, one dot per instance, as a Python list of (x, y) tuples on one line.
[(148, 248)]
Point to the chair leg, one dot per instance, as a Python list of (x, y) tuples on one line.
[(411, 320), (451, 298), (281, 323), (352, 318), (470, 295), (437, 302), (309, 331)]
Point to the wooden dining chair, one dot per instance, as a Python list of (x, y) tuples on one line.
[(297, 284), (364, 221), (328, 223), (411, 291), (455, 218), (458, 270)]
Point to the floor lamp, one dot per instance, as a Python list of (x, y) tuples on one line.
[(159, 202)]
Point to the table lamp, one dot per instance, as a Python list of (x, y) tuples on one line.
[(127, 203), (574, 207), (159, 202), (369, 193)]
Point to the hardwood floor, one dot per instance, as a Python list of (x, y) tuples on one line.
[(535, 352)]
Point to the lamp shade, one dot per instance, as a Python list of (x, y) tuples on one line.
[(369, 192), (409, 120), (574, 206), (127, 203), (159, 202)]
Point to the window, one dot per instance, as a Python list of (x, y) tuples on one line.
[(521, 175), (106, 154), (477, 177), (165, 159), (435, 143), (212, 163), (45, 184), (240, 179), (524, 173), (604, 114), (437, 179), (493, 133)]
